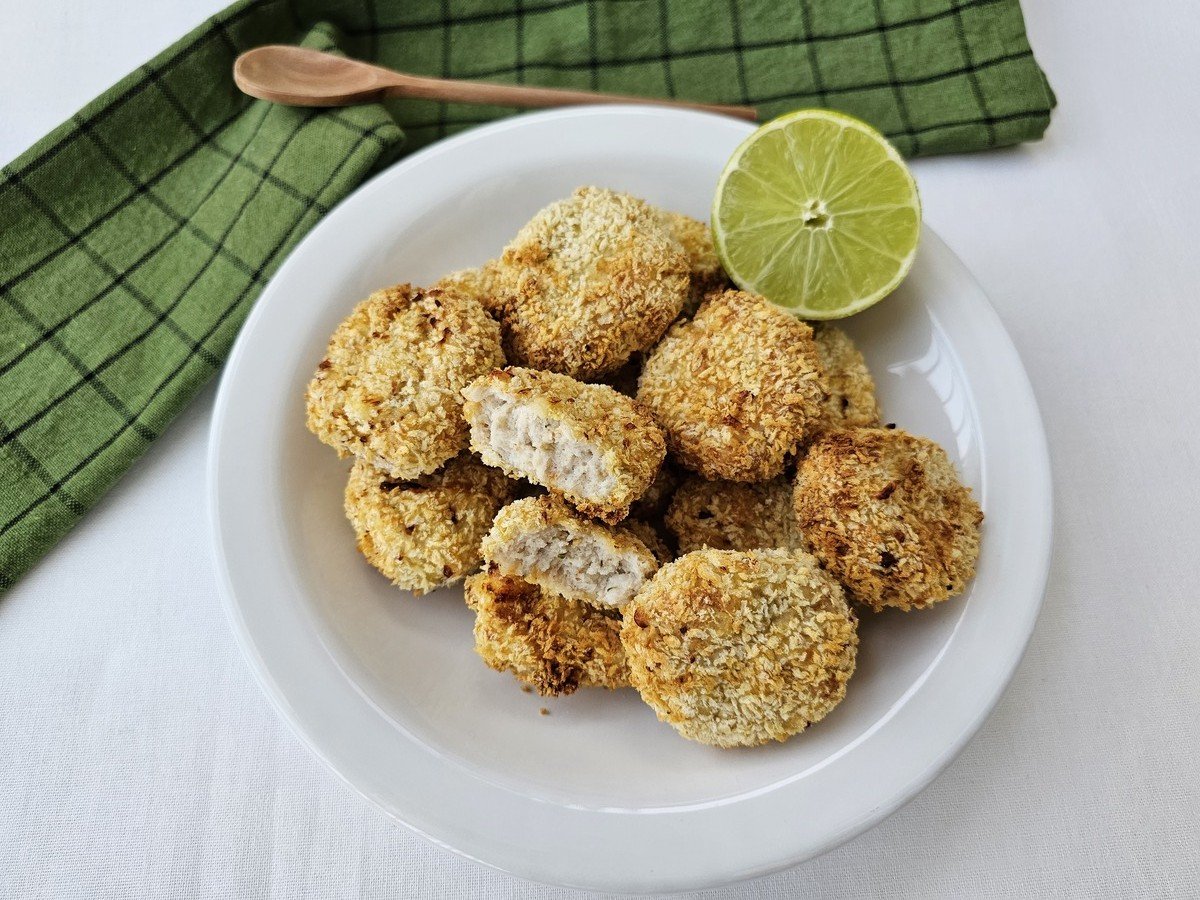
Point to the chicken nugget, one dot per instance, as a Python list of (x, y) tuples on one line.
[(388, 389), (705, 272), (885, 512), (729, 515), (543, 541), (740, 648), (586, 442), (735, 388), (587, 282), (553, 644), (479, 283), (425, 534), (850, 402)]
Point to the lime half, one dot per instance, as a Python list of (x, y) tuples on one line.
[(817, 212)]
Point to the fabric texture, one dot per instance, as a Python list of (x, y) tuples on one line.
[(135, 237)]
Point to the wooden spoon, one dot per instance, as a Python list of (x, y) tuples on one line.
[(297, 76)]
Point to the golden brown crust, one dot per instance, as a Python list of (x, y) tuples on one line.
[(728, 515), (553, 644), (388, 388), (735, 388), (705, 272), (479, 283), (629, 442), (850, 402), (587, 282), (737, 649), (885, 512), (425, 534)]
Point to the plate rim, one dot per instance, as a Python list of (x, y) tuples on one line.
[(1040, 522)]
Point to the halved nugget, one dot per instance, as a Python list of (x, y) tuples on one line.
[(735, 389), (425, 534), (737, 649), (553, 644), (589, 281), (543, 541), (586, 442), (886, 514), (850, 402), (729, 515), (389, 388)]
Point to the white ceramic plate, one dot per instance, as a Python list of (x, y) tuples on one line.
[(387, 689)]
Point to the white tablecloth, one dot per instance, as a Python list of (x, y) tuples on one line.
[(139, 759)]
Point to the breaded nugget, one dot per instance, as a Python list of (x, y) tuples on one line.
[(729, 515), (735, 388), (586, 442), (425, 534), (850, 402), (589, 281), (886, 514), (705, 272), (551, 643), (479, 283), (543, 541), (388, 389), (737, 649)]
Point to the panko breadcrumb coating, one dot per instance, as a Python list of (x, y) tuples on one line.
[(737, 649), (587, 282), (728, 515), (425, 534), (553, 644), (850, 402), (388, 389), (885, 512), (705, 271), (735, 388), (543, 541), (479, 283), (585, 442)]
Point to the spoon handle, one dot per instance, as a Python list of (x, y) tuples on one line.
[(455, 91)]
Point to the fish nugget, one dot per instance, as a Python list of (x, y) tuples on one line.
[(885, 513), (553, 644), (543, 541), (705, 272), (388, 389), (729, 515), (735, 389), (586, 442), (589, 281), (425, 534), (740, 648), (850, 402)]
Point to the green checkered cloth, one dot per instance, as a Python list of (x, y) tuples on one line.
[(135, 237)]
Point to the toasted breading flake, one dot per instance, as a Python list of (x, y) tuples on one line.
[(886, 514), (851, 401), (388, 389), (735, 388), (585, 442), (550, 643), (543, 541), (729, 515), (705, 272), (587, 282), (425, 534), (738, 649)]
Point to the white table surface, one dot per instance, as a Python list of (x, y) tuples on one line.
[(138, 757)]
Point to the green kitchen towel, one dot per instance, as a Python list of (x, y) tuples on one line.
[(135, 237)]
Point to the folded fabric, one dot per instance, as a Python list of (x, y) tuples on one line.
[(135, 237)]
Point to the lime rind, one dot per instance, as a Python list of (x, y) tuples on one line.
[(833, 172)]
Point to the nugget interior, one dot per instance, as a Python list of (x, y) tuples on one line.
[(548, 450), (576, 564)]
